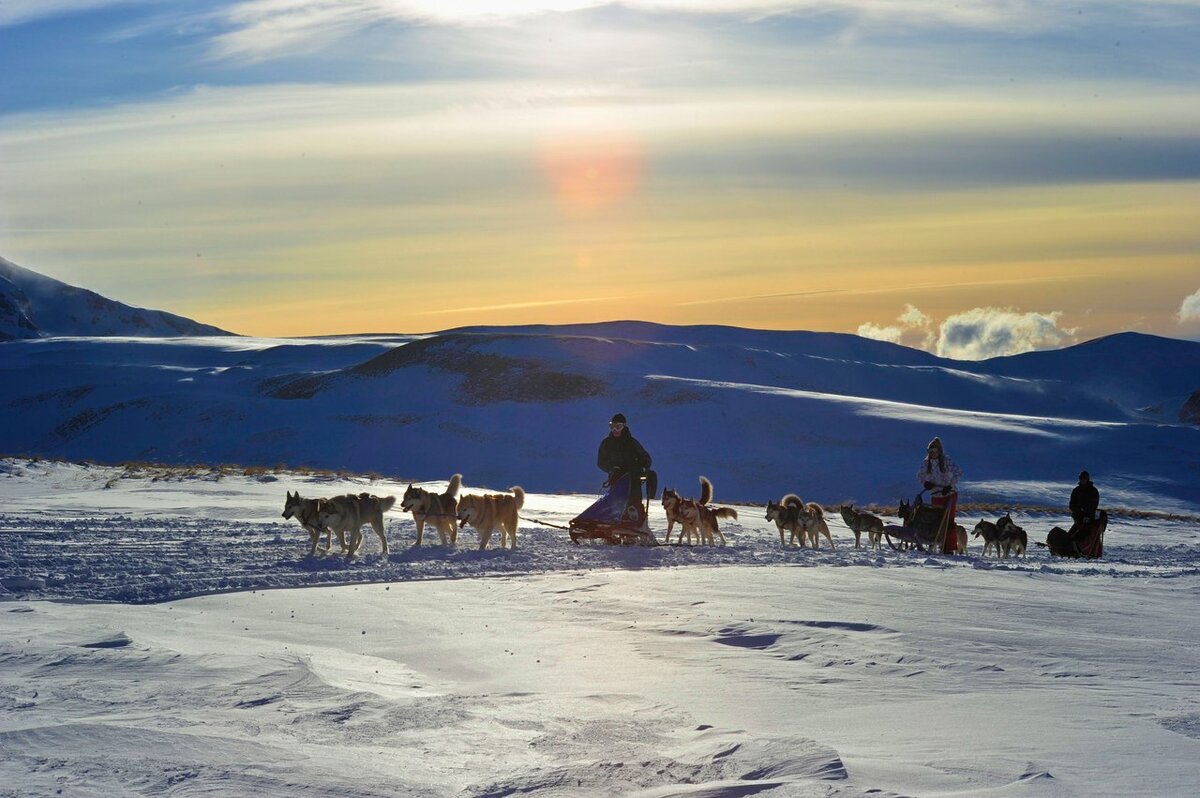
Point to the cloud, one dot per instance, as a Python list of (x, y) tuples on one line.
[(1190, 309), (982, 333), (265, 29), (913, 328), (874, 331)]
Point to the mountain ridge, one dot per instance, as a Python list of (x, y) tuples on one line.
[(33, 305)]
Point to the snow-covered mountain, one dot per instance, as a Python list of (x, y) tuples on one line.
[(33, 305), (832, 417)]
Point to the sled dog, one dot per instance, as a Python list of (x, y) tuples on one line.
[(672, 504), (439, 508), (991, 536), (306, 512), (860, 521), (960, 539), (1011, 537), (348, 513), (786, 515), (492, 511), (812, 520), (701, 519)]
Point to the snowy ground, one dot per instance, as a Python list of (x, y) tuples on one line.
[(564, 670)]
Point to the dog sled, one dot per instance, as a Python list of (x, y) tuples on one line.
[(1086, 541), (615, 519), (924, 526)]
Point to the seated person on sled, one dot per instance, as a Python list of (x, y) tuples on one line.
[(620, 454), (939, 474), (1085, 538)]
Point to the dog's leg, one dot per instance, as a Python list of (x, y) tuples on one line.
[(420, 522), (377, 525)]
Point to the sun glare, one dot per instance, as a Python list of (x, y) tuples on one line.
[(588, 173)]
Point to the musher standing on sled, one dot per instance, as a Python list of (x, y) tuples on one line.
[(938, 473), (620, 453)]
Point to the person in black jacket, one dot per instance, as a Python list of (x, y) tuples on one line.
[(1085, 498), (620, 453)]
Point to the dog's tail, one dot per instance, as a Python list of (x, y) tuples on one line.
[(519, 492), (725, 512), (791, 500), (386, 503), (452, 488), (812, 508), (706, 491)]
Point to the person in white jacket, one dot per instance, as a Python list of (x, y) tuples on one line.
[(939, 474)]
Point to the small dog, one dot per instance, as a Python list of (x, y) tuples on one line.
[(492, 511), (1011, 537), (348, 513), (786, 515), (991, 536), (440, 508), (812, 519), (860, 521), (306, 511)]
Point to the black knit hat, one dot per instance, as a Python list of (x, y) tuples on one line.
[(619, 418)]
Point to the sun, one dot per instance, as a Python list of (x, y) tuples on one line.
[(591, 172)]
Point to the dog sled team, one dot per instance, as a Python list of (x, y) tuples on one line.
[(620, 516), (446, 511)]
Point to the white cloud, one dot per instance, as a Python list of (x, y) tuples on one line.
[(981, 333), (16, 12), (262, 29), (913, 328), (1190, 309), (874, 331), (911, 317)]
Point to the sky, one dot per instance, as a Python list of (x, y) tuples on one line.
[(973, 178)]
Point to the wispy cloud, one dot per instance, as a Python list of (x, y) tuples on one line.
[(545, 303), (912, 328), (16, 12), (263, 29), (1190, 309)]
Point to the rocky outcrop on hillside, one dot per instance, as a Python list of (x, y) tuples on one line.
[(1190, 412), (14, 312)]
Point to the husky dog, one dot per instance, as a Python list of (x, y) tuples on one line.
[(348, 513), (991, 536), (1011, 537), (812, 519), (672, 502), (698, 517), (786, 515), (960, 535), (492, 511), (306, 512), (441, 509), (860, 521)]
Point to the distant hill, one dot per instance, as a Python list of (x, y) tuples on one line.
[(831, 417), (33, 305)]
